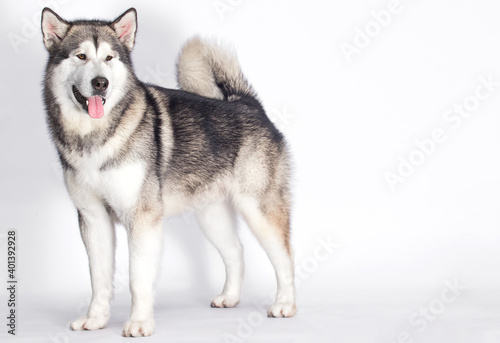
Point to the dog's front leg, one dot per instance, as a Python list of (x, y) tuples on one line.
[(97, 230), (145, 245)]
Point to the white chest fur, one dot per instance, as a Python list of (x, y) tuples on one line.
[(119, 187)]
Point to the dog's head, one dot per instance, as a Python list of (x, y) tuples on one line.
[(89, 60)]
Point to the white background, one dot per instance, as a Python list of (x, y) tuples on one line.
[(348, 121)]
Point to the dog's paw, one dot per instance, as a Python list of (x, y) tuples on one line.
[(138, 328), (224, 300), (89, 323), (282, 310)]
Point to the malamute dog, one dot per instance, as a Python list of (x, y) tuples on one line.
[(133, 153)]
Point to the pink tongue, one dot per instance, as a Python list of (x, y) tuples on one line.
[(96, 110)]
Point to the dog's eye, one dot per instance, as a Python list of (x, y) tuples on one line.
[(109, 58), (81, 56)]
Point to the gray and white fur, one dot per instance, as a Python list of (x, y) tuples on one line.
[(134, 153)]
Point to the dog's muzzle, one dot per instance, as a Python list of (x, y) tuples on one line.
[(94, 105)]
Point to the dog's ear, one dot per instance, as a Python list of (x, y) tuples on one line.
[(125, 27), (54, 28)]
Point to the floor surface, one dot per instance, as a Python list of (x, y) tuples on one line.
[(184, 320)]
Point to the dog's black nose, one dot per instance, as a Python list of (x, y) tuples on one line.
[(100, 83)]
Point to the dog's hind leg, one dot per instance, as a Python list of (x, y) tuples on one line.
[(217, 220), (270, 224)]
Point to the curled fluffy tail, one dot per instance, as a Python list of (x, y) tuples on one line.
[(207, 69)]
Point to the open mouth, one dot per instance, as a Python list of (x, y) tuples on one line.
[(93, 105)]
